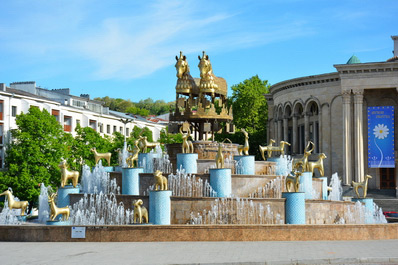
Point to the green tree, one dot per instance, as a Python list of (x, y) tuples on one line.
[(169, 138), (33, 157)]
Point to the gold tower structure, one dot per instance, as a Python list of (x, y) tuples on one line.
[(200, 102)]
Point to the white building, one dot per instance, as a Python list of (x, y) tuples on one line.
[(69, 111)]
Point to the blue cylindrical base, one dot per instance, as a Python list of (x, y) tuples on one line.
[(273, 159), (145, 160), (118, 169), (58, 222), (294, 207), (63, 195), (131, 180), (220, 181), (306, 184), (108, 169), (368, 202), (159, 207), (324, 187), (188, 162), (245, 165)]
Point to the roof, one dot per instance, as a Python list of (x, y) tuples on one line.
[(353, 60)]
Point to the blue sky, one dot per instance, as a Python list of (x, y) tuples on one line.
[(126, 49)]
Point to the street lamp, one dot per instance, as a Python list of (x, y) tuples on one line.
[(125, 121)]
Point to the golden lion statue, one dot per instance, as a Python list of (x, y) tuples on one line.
[(160, 181), (140, 212)]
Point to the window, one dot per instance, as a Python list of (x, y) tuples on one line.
[(1, 109), (14, 111), (1, 133), (114, 128), (121, 130), (93, 124), (67, 123), (108, 129), (100, 125), (127, 131), (55, 113)]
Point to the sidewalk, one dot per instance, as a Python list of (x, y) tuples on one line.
[(292, 252)]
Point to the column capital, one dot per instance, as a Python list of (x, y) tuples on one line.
[(346, 92), (358, 91), (358, 96)]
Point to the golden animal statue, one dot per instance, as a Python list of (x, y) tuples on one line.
[(144, 145), (98, 156), (270, 148), (67, 175), (244, 149), (133, 157), (160, 180), (363, 185), (317, 164), (140, 212), (55, 211), (13, 204), (207, 84), (293, 182), (185, 82), (303, 161), (219, 155), (187, 146)]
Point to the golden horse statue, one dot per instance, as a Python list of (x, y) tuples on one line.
[(270, 148), (140, 214), (185, 82), (160, 180), (303, 161), (207, 78), (98, 156), (133, 157), (55, 211), (67, 175), (293, 182), (363, 185), (244, 149), (317, 164), (187, 146), (13, 204)]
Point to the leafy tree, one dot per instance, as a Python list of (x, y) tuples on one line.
[(169, 138), (33, 157)]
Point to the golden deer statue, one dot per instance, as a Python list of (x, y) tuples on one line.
[(133, 157), (363, 185), (187, 146), (140, 212), (244, 149), (317, 164), (98, 156), (293, 182), (220, 155), (160, 180), (55, 211), (144, 145), (270, 148), (67, 175), (303, 161), (13, 204)]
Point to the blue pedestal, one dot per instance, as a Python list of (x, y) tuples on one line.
[(159, 207), (368, 202), (324, 187), (57, 222), (294, 207), (21, 218), (188, 162), (306, 184), (245, 165), (131, 180), (220, 181), (118, 169), (63, 195), (108, 169), (145, 160)]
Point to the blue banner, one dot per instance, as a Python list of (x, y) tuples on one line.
[(381, 137)]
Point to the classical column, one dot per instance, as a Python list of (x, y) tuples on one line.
[(279, 138), (275, 136), (319, 132), (347, 141), (285, 129), (295, 136), (306, 128), (358, 121)]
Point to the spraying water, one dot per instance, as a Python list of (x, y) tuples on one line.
[(44, 208), (337, 190), (98, 181)]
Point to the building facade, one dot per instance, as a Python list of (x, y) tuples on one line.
[(331, 111), (69, 111)]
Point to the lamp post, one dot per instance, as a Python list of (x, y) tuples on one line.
[(125, 121)]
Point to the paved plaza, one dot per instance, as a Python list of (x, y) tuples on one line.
[(292, 252)]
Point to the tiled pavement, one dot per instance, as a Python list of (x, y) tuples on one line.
[(293, 252)]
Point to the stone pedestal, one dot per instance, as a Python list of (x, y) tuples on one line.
[(131, 180), (56, 222), (63, 195), (294, 207), (159, 207), (108, 169), (145, 160), (368, 202), (306, 184), (188, 162), (245, 165), (324, 187), (220, 181)]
